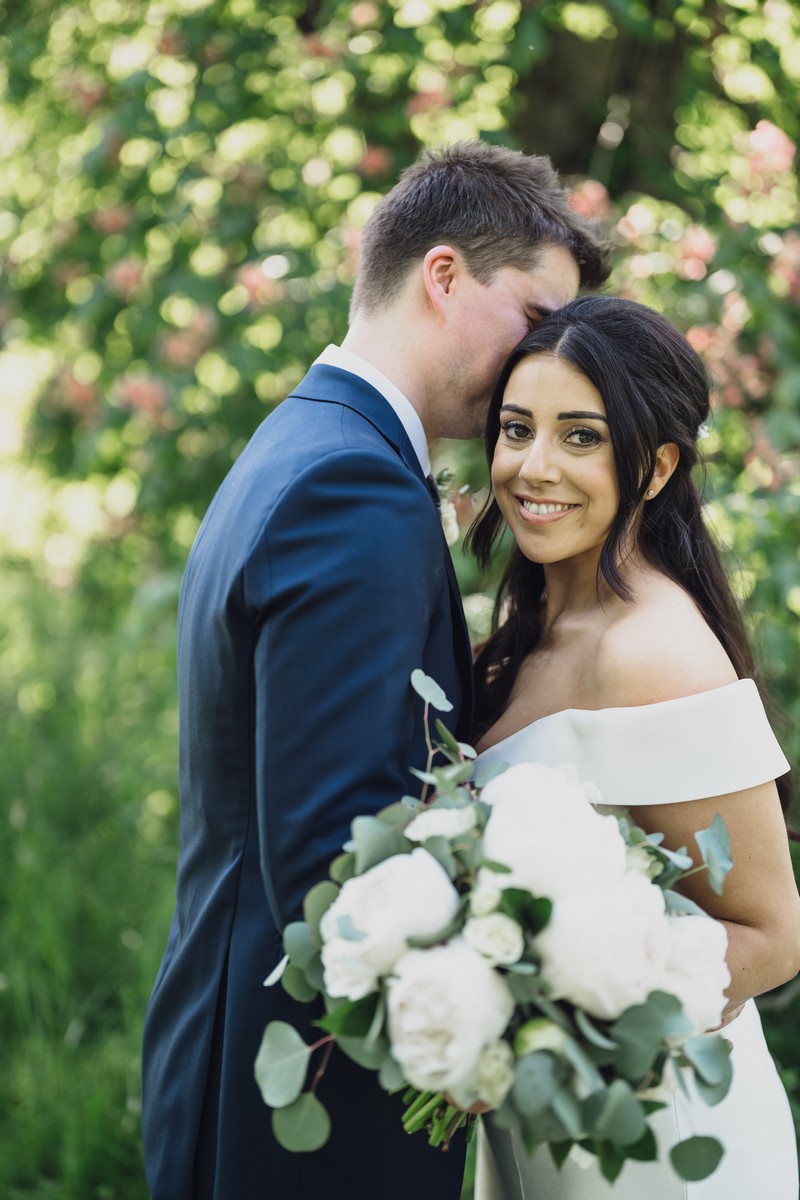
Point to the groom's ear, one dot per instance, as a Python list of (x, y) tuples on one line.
[(441, 268), (667, 458)]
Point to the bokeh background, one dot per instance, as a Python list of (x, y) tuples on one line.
[(182, 185)]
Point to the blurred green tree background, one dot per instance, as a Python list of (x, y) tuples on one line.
[(182, 186)]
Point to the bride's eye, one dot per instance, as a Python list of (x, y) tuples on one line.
[(583, 437), (515, 431)]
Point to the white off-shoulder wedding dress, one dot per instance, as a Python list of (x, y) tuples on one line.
[(679, 750)]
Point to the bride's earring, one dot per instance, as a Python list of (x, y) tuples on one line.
[(650, 493)]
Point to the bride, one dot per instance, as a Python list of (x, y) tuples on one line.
[(621, 649)]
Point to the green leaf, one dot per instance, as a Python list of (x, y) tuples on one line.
[(347, 929), (696, 1158), (612, 1160), (677, 903), (559, 1152), (536, 1081), (439, 848), (638, 1037), (368, 1056), (710, 1057), (646, 1149), (430, 691), (281, 1064), (591, 1032), (343, 867), (390, 1075), (531, 912), (304, 1125), (567, 1108), (374, 841), (298, 944), (448, 744), (715, 847), (277, 972), (491, 865), (297, 985), (317, 903), (614, 1114), (351, 1019)]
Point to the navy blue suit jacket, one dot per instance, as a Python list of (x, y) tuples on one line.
[(318, 581)]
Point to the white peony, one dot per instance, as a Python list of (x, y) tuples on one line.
[(445, 1005), (605, 949), (696, 971), (497, 937), (544, 829), (441, 822), (408, 895)]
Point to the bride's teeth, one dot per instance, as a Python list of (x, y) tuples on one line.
[(542, 510)]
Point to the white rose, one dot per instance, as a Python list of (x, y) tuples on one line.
[(696, 971), (496, 936), (441, 822), (408, 895), (545, 830), (444, 1006), (485, 895), (605, 949), (641, 862), (495, 1075)]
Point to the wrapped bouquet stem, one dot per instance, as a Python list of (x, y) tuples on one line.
[(501, 941)]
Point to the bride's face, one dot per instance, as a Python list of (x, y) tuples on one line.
[(553, 470)]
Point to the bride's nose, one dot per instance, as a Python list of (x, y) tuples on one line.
[(540, 464)]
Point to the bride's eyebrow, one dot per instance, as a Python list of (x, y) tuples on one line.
[(515, 408), (581, 416)]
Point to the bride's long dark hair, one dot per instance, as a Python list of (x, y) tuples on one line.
[(655, 390)]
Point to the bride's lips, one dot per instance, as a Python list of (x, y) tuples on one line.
[(545, 511)]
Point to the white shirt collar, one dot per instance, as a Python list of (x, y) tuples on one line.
[(345, 360)]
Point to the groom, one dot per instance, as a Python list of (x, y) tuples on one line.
[(319, 580)]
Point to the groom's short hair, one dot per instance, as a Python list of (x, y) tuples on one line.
[(497, 207)]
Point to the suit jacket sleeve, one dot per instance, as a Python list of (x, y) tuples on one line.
[(343, 583)]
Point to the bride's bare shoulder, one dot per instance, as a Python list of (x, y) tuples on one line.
[(658, 647)]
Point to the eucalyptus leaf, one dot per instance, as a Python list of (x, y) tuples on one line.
[(524, 988), (343, 867), (368, 1056), (304, 1125), (489, 771), (614, 1114), (347, 929), (677, 903), (430, 691), (390, 1075), (277, 971), (531, 912), (316, 904), (374, 842), (710, 1057), (715, 847), (296, 984), (611, 1158), (536, 1081), (281, 1064), (298, 944), (566, 1107), (696, 1157), (439, 848), (590, 1031), (638, 1037), (449, 744), (646, 1149)]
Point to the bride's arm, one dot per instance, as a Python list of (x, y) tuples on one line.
[(759, 904)]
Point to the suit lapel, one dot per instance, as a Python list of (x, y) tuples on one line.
[(331, 384)]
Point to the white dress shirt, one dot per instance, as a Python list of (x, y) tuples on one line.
[(345, 360)]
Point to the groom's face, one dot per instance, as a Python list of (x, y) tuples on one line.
[(494, 317)]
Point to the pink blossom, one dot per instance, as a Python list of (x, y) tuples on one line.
[(363, 14), (771, 151), (112, 220), (423, 102), (142, 393), (376, 160), (590, 199), (261, 290), (125, 278)]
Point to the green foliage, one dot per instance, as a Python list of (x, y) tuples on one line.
[(180, 206)]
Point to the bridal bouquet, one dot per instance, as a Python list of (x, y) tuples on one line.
[(501, 942)]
